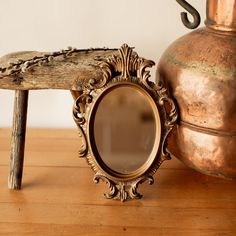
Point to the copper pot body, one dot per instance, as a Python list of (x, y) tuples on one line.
[(200, 72)]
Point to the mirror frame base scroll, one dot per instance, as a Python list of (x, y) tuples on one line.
[(123, 190), (124, 68)]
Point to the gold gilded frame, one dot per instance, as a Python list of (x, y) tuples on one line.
[(124, 69)]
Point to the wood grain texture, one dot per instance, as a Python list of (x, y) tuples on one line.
[(58, 196), (71, 230), (18, 139), (61, 73)]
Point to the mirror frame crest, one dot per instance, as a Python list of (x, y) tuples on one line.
[(124, 69)]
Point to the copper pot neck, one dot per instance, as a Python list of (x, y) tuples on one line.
[(221, 15)]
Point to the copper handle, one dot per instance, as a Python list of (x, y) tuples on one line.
[(184, 16)]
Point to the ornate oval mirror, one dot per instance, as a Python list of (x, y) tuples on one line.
[(126, 128), (124, 120)]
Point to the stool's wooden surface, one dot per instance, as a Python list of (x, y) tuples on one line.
[(60, 198), (60, 73)]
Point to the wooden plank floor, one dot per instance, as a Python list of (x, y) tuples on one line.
[(59, 197)]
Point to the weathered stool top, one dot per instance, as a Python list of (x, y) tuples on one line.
[(66, 69)]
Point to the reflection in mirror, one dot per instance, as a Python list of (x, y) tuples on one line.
[(124, 129)]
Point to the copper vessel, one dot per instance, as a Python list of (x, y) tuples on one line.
[(200, 72)]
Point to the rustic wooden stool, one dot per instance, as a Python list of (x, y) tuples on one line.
[(23, 71)]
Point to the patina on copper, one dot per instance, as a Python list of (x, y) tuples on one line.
[(200, 71)]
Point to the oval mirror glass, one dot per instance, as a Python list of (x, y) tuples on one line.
[(125, 128)]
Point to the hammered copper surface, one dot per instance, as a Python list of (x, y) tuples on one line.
[(200, 71)]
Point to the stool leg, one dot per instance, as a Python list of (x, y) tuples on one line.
[(18, 139)]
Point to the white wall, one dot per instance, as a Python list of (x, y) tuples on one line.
[(49, 25)]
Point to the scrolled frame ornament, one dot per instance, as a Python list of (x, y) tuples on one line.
[(124, 69)]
